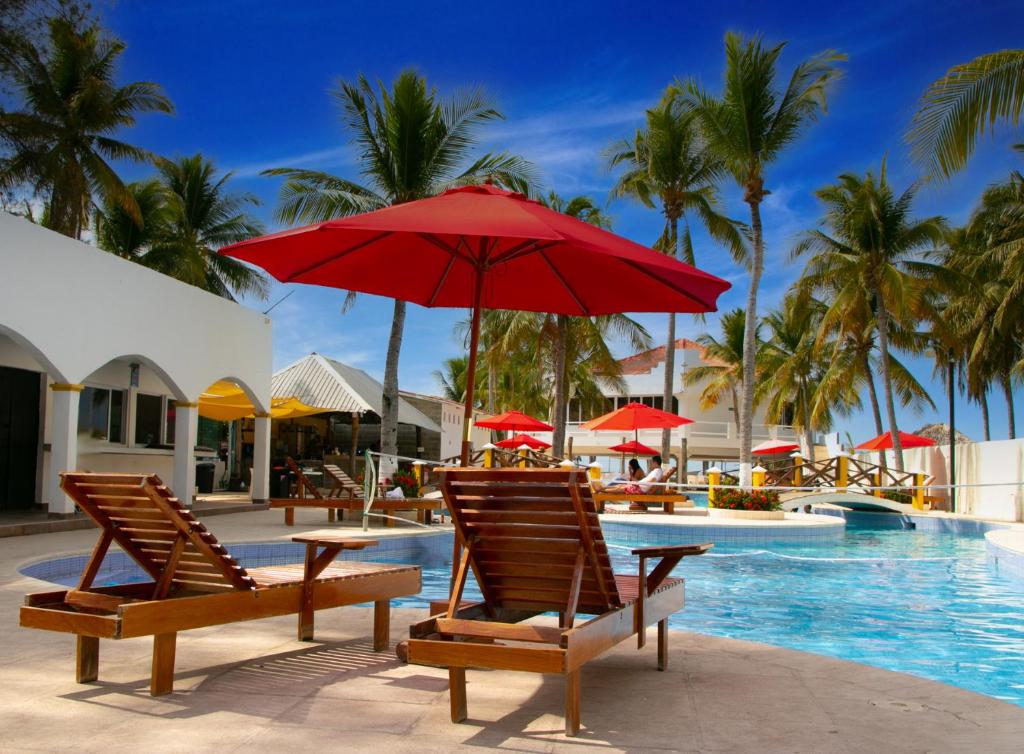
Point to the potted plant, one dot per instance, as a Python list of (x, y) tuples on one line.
[(755, 503)]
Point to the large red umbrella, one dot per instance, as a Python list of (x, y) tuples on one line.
[(482, 247), (516, 440), (514, 421), (771, 447), (907, 440), (636, 416), (634, 448)]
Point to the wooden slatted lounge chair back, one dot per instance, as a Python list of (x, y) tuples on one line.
[(303, 480), (532, 540), (139, 514), (343, 480)]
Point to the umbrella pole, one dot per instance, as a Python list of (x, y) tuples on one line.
[(474, 340)]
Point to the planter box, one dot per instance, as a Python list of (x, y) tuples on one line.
[(761, 515)]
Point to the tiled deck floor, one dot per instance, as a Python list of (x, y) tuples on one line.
[(250, 687)]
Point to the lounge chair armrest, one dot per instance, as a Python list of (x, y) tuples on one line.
[(336, 543), (661, 551)]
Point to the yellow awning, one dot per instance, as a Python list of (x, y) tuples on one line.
[(225, 401)]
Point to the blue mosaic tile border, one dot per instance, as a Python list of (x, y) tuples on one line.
[(1006, 561), (652, 534), (961, 526)]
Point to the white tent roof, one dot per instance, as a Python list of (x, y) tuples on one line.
[(325, 383)]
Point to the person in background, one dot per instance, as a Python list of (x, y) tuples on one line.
[(655, 474)]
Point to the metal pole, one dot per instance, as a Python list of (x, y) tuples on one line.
[(952, 433)]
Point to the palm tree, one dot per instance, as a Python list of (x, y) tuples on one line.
[(957, 108), (60, 143), (452, 378), (793, 365), (747, 128), (131, 236), (200, 216), (668, 166), (875, 248), (722, 367), (410, 144)]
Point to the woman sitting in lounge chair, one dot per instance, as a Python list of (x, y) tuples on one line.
[(635, 486)]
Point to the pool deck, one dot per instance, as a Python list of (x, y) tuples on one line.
[(251, 687)]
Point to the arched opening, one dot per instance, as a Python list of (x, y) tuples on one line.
[(24, 370), (226, 427)]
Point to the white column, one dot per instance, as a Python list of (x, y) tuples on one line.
[(63, 445), (259, 486), (186, 430)]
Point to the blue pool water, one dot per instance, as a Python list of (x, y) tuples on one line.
[(924, 603)]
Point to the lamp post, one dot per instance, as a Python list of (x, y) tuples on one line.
[(951, 388)]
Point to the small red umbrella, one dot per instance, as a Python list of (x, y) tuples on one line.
[(771, 447), (482, 247), (516, 440), (514, 421), (634, 448), (907, 440)]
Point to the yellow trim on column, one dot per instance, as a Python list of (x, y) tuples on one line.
[(262, 415), (62, 387), (185, 404)]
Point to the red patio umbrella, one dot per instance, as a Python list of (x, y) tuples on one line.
[(771, 447), (516, 440), (907, 440), (634, 448), (482, 247), (514, 421), (636, 416)]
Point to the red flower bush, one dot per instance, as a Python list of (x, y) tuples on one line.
[(747, 500)]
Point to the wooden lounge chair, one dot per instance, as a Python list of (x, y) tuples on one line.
[(194, 580), (533, 541), (342, 485), (639, 502)]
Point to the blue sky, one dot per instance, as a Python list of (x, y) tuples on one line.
[(250, 83)]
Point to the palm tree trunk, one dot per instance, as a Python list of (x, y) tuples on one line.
[(986, 430), (558, 436), (883, 347), (389, 411), (1011, 420), (808, 438), (670, 353), (749, 341), (876, 411)]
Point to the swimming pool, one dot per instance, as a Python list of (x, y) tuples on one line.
[(924, 603)]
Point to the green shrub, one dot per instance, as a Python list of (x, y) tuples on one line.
[(747, 500), (898, 497)]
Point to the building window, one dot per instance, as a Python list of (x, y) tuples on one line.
[(101, 414), (169, 423), (659, 402), (148, 419)]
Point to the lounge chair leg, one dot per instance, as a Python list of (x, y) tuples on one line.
[(87, 659), (162, 678), (572, 703), (662, 643), (457, 692), (289, 516), (381, 624)]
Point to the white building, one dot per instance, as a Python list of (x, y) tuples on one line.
[(102, 362), (712, 436)]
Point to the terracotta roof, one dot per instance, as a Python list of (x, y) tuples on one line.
[(645, 362)]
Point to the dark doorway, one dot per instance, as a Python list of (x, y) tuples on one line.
[(19, 437)]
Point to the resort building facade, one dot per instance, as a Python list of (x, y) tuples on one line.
[(102, 363)]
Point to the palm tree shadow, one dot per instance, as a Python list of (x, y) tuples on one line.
[(263, 687)]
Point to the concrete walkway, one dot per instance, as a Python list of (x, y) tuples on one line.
[(251, 687)]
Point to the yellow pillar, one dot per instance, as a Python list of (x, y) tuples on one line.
[(878, 483), (523, 450), (798, 469), (488, 456), (417, 471), (714, 479), (919, 490), (843, 470), (758, 475)]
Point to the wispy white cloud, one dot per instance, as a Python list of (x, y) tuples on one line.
[(332, 156)]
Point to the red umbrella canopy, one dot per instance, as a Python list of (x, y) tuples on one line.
[(634, 416), (907, 440), (516, 440), (771, 447), (514, 421), (634, 448), (481, 246)]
